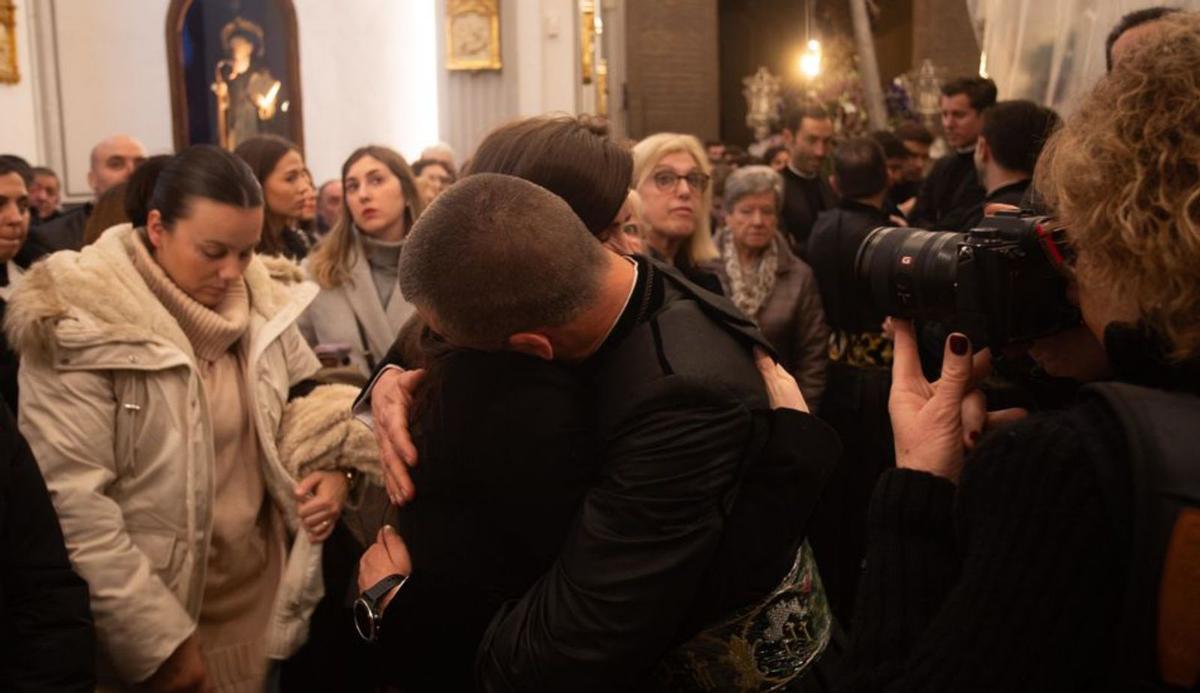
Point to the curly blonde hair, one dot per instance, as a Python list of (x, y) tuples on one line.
[(1124, 174)]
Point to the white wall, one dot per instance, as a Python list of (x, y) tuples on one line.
[(112, 78), (369, 77), (18, 131), (371, 72)]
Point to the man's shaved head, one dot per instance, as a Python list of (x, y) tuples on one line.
[(113, 159)]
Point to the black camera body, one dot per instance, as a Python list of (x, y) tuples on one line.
[(1000, 283)]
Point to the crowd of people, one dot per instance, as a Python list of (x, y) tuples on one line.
[(584, 414)]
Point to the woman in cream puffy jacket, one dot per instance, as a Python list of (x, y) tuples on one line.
[(157, 367)]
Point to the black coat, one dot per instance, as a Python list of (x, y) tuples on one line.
[(692, 517), (9, 362), (696, 500), (832, 252), (64, 232), (950, 194), (506, 455), (1014, 580), (47, 642), (1014, 194), (803, 201)]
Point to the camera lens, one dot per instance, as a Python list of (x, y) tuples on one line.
[(910, 273)]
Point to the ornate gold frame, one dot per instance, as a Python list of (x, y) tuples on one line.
[(10, 73), (176, 14), (490, 11), (587, 40)]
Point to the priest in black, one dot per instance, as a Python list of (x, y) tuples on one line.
[(806, 191), (952, 190)]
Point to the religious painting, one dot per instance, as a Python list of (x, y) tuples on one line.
[(472, 34), (9, 72), (234, 71)]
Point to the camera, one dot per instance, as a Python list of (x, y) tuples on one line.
[(1000, 283)]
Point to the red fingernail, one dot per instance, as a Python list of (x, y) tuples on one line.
[(959, 344)]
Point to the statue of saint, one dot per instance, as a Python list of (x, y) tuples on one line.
[(248, 95)]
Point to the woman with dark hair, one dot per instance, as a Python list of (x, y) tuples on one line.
[(157, 367), (279, 168), (360, 305)]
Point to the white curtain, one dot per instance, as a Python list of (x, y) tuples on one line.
[(1050, 51)]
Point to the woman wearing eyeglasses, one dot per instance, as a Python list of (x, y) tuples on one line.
[(672, 176)]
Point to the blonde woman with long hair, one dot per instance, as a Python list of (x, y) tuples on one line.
[(673, 179), (360, 306), (675, 182)]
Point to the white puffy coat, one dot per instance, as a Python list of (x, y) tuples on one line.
[(115, 411)]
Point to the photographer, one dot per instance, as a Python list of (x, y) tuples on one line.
[(1013, 567)]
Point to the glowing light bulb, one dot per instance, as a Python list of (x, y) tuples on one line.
[(810, 61)]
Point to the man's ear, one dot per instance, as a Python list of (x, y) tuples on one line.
[(532, 344), (985, 152)]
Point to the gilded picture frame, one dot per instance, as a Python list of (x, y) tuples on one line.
[(9, 70), (473, 35), (234, 70), (587, 41)]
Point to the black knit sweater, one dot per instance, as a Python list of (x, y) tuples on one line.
[(1014, 581)]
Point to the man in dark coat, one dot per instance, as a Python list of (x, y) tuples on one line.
[(952, 189), (856, 397), (691, 518), (808, 135), (46, 637), (113, 160), (1010, 142)]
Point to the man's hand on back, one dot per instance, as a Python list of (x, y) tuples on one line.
[(391, 405)]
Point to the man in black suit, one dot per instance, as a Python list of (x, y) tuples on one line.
[(1009, 145), (808, 135), (692, 518), (952, 191), (860, 360)]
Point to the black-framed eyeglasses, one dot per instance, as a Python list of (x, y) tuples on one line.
[(666, 181)]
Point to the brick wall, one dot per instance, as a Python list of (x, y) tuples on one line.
[(942, 33), (672, 69)]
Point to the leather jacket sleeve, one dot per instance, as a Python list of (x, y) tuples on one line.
[(631, 568)]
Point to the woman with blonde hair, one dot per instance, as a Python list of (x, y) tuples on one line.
[(360, 306), (672, 177), (166, 393), (1038, 561)]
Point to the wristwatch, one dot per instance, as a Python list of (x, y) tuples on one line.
[(367, 616)]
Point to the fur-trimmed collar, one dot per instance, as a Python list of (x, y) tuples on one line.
[(99, 292)]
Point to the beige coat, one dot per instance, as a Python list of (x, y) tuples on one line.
[(337, 314), (114, 408)]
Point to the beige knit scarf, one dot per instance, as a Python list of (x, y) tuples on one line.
[(750, 286), (211, 331)]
